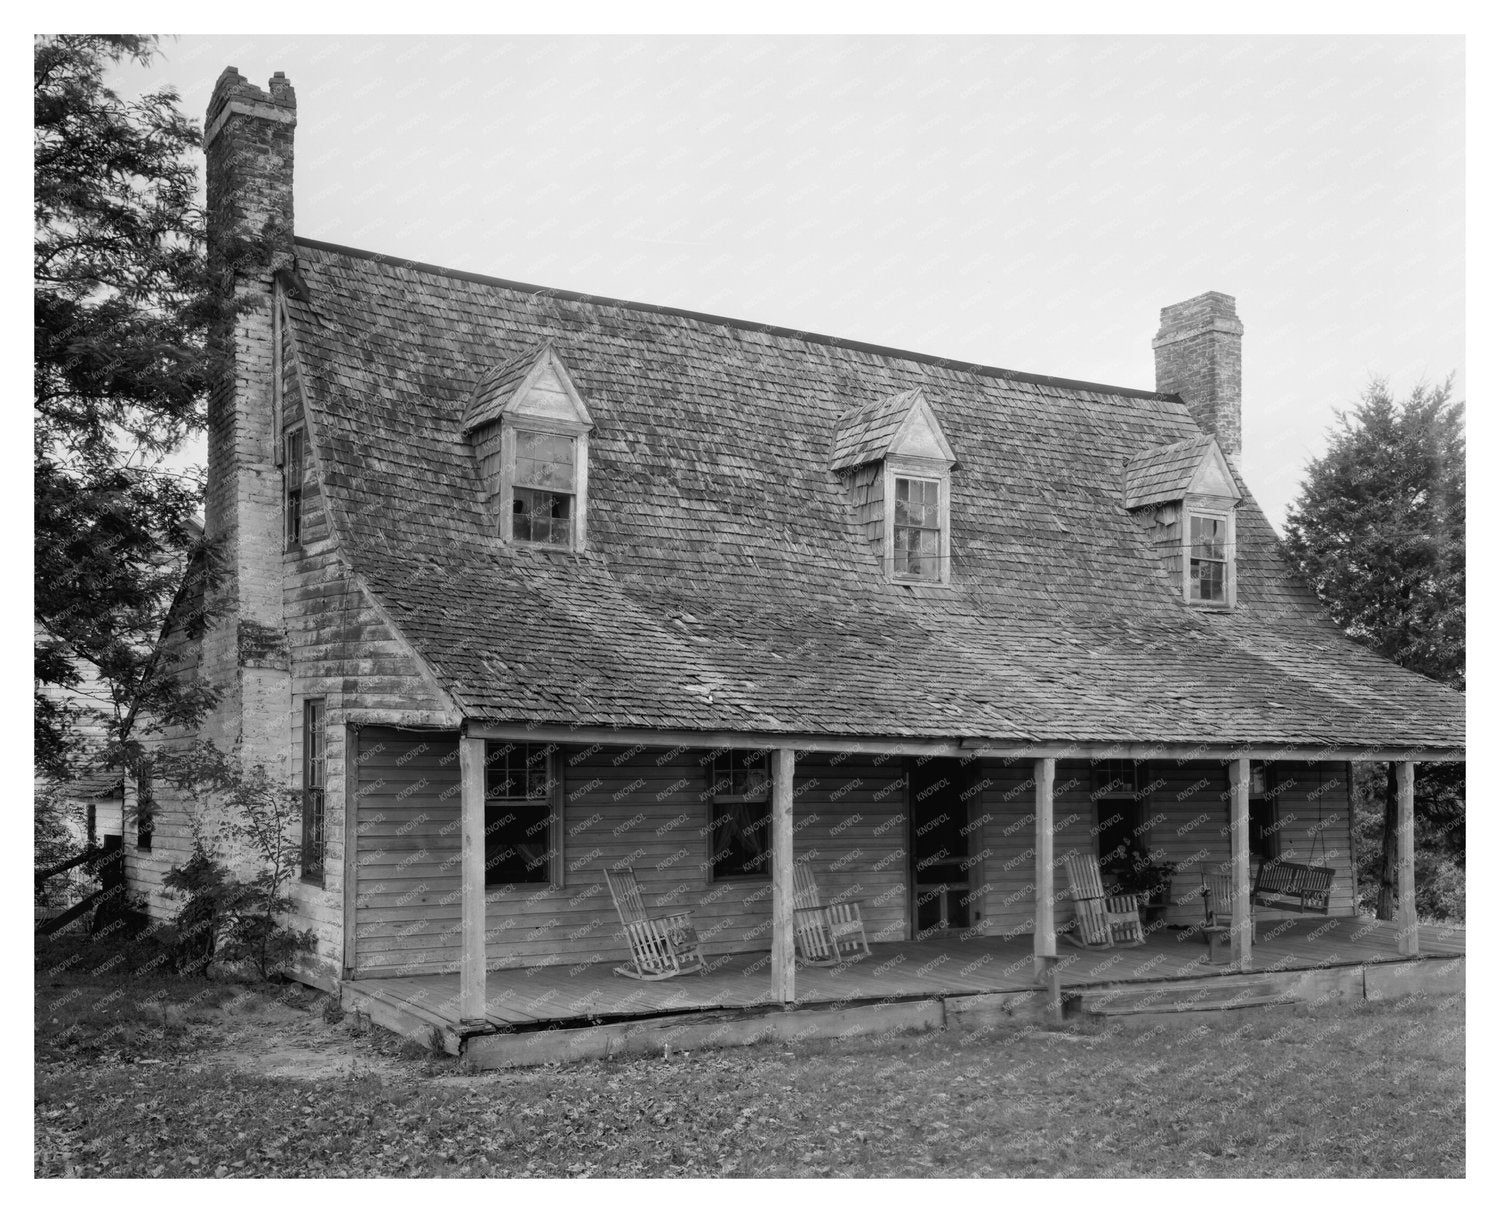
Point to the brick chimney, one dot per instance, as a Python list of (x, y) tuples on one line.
[(1198, 358), (248, 145)]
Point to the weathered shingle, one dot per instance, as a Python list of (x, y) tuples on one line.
[(865, 433), (1164, 474), (726, 585)]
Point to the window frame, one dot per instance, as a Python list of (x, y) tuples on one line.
[(911, 467), (145, 810), (578, 433), (314, 791), (1265, 806), (1100, 794), (1190, 513), (293, 495), (551, 799), (714, 799)]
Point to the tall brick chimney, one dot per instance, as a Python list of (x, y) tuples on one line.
[(248, 144), (1198, 357)]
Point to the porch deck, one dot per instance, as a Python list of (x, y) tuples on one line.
[(937, 967)]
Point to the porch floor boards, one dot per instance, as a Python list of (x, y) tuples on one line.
[(908, 969)]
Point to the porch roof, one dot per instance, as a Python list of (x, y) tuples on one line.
[(726, 586)]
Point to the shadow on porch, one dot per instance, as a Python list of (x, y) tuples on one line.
[(956, 970)]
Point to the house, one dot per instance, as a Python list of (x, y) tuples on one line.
[(523, 584)]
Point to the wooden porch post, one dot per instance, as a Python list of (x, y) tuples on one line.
[(1406, 848), (783, 953), (1242, 926), (471, 980), (1044, 929)]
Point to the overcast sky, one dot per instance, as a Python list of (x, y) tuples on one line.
[(1029, 203)]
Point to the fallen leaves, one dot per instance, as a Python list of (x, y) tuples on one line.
[(999, 1103)]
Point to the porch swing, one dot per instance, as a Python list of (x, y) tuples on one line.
[(1304, 888), (1279, 884)]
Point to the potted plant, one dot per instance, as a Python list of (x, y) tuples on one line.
[(1150, 880)]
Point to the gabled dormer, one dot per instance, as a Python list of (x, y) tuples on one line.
[(529, 429), (1185, 495), (893, 457)]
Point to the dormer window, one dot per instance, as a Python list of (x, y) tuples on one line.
[(895, 462), (529, 430), (919, 528), (1185, 495)]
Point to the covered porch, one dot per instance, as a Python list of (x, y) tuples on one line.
[(949, 980), (774, 979)]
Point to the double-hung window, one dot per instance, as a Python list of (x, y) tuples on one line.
[(1208, 558), (918, 528), (145, 809), (739, 825), (314, 784), (1119, 819), (1265, 839), (295, 471), (520, 814), (544, 488)]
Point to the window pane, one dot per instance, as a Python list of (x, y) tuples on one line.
[(917, 551), (538, 516), (544, 461)]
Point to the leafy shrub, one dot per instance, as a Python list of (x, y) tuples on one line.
[(230, 919)]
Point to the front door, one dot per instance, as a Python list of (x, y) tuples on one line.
[(940, 871)]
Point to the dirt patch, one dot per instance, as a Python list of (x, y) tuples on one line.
[(276, 1038)]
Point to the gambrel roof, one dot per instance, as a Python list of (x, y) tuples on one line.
[(726, 585)]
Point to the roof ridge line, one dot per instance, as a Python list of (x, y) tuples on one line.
[(848, 343)]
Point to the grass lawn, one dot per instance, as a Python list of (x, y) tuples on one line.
[(134, 1077)]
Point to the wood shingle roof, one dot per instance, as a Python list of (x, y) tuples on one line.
[(726, 585)]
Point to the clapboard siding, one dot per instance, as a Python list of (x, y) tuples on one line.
[(642, 807), (1187, 823), (344, 652)]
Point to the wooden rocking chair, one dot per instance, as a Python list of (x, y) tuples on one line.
[(662, 941), (1100, 921), (826, 933), (1218, 914)]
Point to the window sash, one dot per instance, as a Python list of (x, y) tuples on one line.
[(542, 516), (519, 845), (545, 461), (518, 771)]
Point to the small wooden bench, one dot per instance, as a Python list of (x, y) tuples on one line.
[(1281, 885)]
